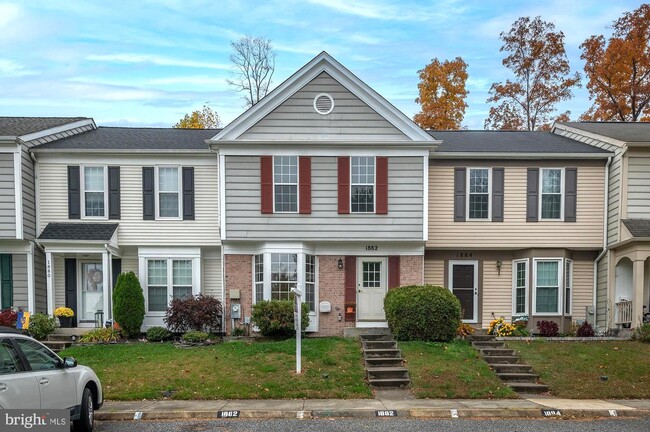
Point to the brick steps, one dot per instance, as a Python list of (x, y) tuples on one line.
[(384, 362)]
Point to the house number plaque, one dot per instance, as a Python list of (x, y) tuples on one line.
[(372, 247), (463, 254)]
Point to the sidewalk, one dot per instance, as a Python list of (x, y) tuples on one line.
[(530, 407)]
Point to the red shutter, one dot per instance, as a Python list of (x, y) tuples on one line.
[(382, 186), (393, 272), (304, 169), (350, 288), (266, 189), (344, 185)]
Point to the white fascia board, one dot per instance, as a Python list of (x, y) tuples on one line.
[(326, 149), (18, 191), (518, 156), (203, 159), (14, 246), (355, 248), (115, 152), (69, 246), (576, 130), (322, 63), (59, 129)]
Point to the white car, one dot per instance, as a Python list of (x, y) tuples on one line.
[(33, 377)]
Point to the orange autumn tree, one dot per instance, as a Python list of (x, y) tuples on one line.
[(542, 78), (205, 118), (442, 94), (618, 70)]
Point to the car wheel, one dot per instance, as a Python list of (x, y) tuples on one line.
[(87, 419)]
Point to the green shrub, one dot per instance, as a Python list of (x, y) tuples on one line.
[(275, 318), (157, 334), (426, 312), (41, 326), (104, 335), (238, 331), (128, 304), (194, 336), (642, 333)]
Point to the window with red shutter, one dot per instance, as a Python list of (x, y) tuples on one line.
[(304, 175), (266, 186), (344, 184)]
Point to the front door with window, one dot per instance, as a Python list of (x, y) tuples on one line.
[(463, 282), (371, 289), (91, 292)]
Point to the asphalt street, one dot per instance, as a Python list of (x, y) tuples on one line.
[(381, 425)]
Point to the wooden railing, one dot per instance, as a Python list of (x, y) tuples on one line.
[(624, 312)]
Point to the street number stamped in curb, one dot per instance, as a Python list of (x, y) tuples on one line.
[(454, 413), (137, 415), (551, 413), (386, 413), (227, 414), (613, 413)]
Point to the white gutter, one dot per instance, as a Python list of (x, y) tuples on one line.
[(518, 155), (605, 245)]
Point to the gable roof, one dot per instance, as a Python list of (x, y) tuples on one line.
[(637, 227), (19, 126), (323, 62), (621, 131), (488, 143), (129, 138), (78, 231)]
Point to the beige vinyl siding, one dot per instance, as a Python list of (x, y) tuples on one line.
[(497, 291), (7, 196), (19, 269), (244, 219), (583, 288), (514, 231), (40, 282), (211, 268), (296, 119), (638, 187), (130, 262), (601, 292), (29, 194), (434, 271), (133, 230), (615, 173)]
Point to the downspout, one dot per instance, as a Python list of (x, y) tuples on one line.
[(604, 251)]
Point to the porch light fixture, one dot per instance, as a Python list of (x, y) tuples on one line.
[(499, 264), (340, 264)]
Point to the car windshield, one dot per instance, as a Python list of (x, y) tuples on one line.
[(38, 357)]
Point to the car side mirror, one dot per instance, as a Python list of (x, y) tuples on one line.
[(69, 362)]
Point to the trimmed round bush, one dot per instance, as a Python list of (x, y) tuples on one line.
[(422, 312), (41, 326), (128, 304), (196, 337), (275, 318), (158, 334)]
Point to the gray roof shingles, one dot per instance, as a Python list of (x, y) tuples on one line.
[(19, 126), (638, 227), (78, 231), (129, 138), (627, 132), (479, 141)]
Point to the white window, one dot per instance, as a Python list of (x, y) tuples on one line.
[(478, 197), (284, 275), (168, 279), (551, 196), (547, 284), (568, 285), (285, 184), (94, 196), (168, 186), (362, 184), (520, 287), (259, 278), (310, 282)]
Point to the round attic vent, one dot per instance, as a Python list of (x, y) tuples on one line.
[(323, 103)]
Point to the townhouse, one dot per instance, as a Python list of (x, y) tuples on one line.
[(325, 187), (22, 262), (623, 280)]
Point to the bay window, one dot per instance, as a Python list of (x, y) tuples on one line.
[(547, 283), (520, 287)]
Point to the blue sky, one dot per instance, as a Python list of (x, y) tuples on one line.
[(147, 63)]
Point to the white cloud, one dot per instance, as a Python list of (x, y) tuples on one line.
[(154, 59), (10, 68), (8, 13), (391, 11)]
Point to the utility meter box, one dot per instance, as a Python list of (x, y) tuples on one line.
[(235, 311)]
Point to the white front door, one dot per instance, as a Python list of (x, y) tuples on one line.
[(91, 292), (371, 288), (463, 282)]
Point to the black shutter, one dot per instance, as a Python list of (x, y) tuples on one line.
[(114, 192), (71, 287), (459, 194), (188, 193), (570, 194), (532, 200), (7, 282), (497, 194), (116, 265), (148, 194), (74, 193)]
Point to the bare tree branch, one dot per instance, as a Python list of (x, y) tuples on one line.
[(254, 62)]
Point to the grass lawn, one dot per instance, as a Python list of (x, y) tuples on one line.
[(451, 370), (574, 369), (331, 368)]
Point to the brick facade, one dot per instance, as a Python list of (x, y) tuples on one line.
[(238, 275), (331, 287), (411, 269)]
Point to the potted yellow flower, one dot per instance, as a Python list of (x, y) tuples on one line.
[(64, 314)]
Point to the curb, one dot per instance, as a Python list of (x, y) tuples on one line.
[(420, 413)]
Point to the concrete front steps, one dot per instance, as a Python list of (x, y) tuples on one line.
[(507, 365), (58, 342), (384, 362)]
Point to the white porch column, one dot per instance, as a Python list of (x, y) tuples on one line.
[(31, 287), (49, 271), (106, 283), (638, 271)]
